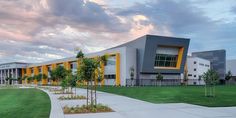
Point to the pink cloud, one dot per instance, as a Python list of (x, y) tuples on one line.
[(14, 35)]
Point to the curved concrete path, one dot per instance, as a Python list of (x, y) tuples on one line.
[(125, 107)]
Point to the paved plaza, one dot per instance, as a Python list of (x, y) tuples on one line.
[(125, 107)]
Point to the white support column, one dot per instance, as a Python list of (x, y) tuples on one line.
[(4, 76), (1, 76), (16, 71), (12, 73), (8, 75)]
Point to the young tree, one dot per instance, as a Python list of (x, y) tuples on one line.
[(80, 55), (199, 80), (58, 74), (39, 77), (211, 78), (132, 75), (159, 77), (29, 79), (19, 79), (25, 79), (87, 71), (228, 76), (186, 77)]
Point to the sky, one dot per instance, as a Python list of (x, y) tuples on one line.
[(41, 30)]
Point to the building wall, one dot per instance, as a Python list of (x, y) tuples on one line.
[(196, 67), (217, 59), (11, 70), (231, 66), (139, 54)]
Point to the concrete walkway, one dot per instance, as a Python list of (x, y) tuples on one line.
[(125, 107)]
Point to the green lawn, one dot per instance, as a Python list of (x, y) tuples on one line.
[(24, 103), (225, 95)]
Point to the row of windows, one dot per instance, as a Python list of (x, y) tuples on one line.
[(201, 64), (165, 60), (113, 76), (190, 75)]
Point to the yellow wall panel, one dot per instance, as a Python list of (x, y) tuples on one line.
[(180, 57), (118, 69), (36, 72), (103, 71), (45, 71)]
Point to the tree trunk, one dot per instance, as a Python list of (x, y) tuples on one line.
[(91, 91), (205, 91), (95, 89), (87, 94)]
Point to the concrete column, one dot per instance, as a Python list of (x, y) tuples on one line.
[(13, 76), (16, 71), (1, 76), (8, 72), (4, 75)]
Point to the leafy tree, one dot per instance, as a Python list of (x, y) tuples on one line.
[(64, 84), (228, 76), (40, 76), (80, 54), (87, 72), (59, 73), (19, 79), (159, 77), (132, 75), (29, 79), (25, 79), (211, 78)]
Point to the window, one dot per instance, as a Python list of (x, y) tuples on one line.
[(195, 76), (194, 62), (207, 65), (195, 69), (111, 61), (189, 75), (165, 60), (201, 64), (32, 70)]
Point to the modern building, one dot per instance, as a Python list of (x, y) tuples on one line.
[(196, 68), (231, 66), (217, 59), (11, 70), (148, 55)]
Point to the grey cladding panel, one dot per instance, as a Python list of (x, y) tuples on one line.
[(150, 52)]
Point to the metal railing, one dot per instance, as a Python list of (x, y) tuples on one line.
[(152, 82)]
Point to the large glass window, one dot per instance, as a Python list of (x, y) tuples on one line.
[(166, 60), (166, 56)]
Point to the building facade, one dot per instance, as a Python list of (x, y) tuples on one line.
[(148, 55), (231, 66), (10, 72), (217, 59), (196, 68)]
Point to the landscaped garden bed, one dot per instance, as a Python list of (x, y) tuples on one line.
[(73, 97), (86, 109), (62, 92)]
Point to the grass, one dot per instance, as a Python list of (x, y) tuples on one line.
[(225, 95), (24, 103)]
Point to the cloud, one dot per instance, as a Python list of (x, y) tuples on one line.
[(43, 30), (86, 14), (179, 17)]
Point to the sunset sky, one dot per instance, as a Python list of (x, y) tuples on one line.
[(41, 30)]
